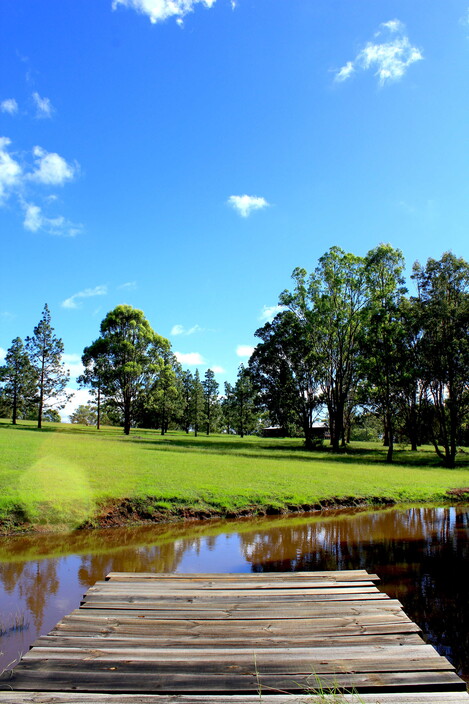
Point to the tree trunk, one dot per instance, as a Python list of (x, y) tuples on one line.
[(98, 419)]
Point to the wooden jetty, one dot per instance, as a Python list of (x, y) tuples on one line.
[(270, 638)]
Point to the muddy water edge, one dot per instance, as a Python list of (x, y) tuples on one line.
[(420, 553)]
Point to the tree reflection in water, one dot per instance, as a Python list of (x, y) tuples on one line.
[(421, 555)]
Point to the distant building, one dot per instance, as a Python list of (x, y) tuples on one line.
[(320, 429)]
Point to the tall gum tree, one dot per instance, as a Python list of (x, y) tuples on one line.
[(45, 351), (382, 359), (130, 355), (443, 302), (331, 305)]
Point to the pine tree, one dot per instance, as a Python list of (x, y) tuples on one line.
[(211, 405), (19, 379), (45, 352), (197, 403)]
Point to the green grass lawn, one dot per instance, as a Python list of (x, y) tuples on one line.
[(62, 474)]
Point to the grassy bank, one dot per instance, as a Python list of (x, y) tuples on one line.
[(71, 475)]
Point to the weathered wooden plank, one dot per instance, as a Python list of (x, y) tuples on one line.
[(98, 698), (94, 610), (243, 663), (213, 597), (418, 651), (219, 585), (97, 677), (97, 640), (245, 576)]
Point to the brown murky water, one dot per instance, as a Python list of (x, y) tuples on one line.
[(421, 555)]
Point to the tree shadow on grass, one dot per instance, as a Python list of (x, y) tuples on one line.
[(283, 452)]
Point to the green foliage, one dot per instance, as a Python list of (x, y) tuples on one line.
[(211, 404), (283, 369), (443, 308), (84, 415), (125, 361), (196, 404), (45, 351), (19, 381)]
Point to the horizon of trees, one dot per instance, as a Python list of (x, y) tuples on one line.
[(349, 345)]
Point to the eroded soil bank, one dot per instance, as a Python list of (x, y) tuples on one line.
[(149, 510)]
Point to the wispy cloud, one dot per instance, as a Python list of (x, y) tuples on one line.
[(244, 350), (9, 105), (2, 354), (245, 205), (181, 330), (51, 169), (43, 106), (11, 172), (128, 286), (35, 221), (190, 358), (19, 181), (389, 58), (75, 300), (268, 313), (161, 10)]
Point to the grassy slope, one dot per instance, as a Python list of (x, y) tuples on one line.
[(58, 475)]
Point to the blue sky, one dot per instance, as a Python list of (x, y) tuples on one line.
[(183, 156)]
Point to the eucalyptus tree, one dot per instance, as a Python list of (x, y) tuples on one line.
[(45, 351), (382, 346), (283, 368), (18, 379), (331, 305), (128, 359), (211, 404), (443, 304)]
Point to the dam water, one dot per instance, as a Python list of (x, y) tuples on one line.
[(420, 553)]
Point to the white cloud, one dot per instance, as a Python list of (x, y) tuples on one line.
[(389, 59), (393, 26), (9, 105), (35, 220), (244, 350), (80, 397), (51, 168), (73, 301), (160, 10), (73, 364), (181, 330), (17, 180), (245, 205), (268, 313), (43, 106), (190, 358), (128, 286), (345, 72), (218, 370), (10, 170), (2, 354)]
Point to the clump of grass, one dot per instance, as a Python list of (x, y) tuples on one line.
[(15, 624)]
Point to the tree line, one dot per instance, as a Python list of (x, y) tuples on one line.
[(349, 344)]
